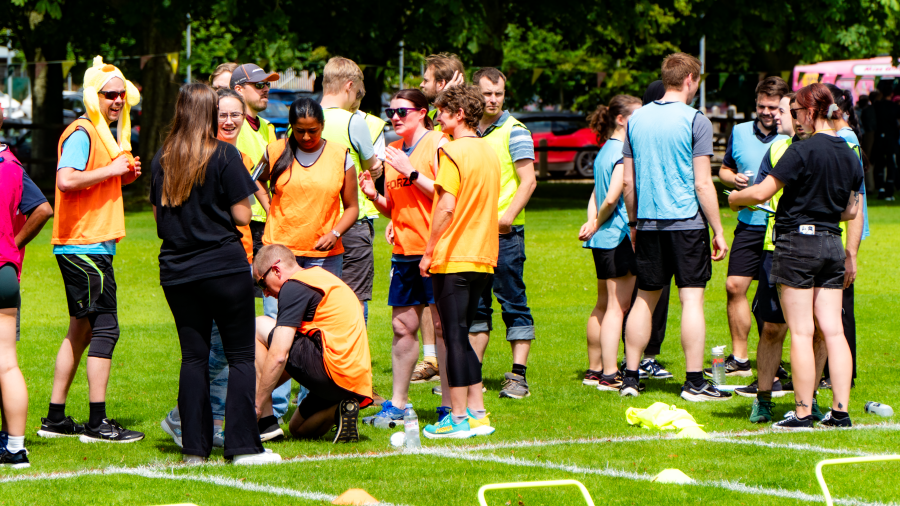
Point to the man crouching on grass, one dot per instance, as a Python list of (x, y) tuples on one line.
[(319, 339)]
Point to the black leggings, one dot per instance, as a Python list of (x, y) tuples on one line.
[(456, 297), (227, 300)]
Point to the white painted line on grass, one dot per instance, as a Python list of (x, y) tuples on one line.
[(791, 446)]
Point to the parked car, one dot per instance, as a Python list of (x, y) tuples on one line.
[(277, 114), (289, 96), (563, 129)]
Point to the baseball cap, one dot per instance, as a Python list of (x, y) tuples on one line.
[(251, 73)]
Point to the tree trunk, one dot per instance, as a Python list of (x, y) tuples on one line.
[(46, 109), (371, 103)]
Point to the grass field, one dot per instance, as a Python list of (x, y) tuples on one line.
[(564, 430)]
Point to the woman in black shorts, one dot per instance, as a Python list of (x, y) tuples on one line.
[(820, 178), (606, 234)]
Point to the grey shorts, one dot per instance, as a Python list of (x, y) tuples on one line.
[(359, 258)]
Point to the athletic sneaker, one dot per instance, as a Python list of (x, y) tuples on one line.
[(781, 373), (752, 389), (592, 378), (218, 437), (437, 390), (65, 428), (641, 372), (446, 429), (271, 433), (652, 369), (630, 387), (172, 427), (110, 431), (611, 385), (388, 412), (4, 440), (266, 457), (788, 386), (762, 411), (815, 412), (346, 419), (18, 460), (706, 391), (442, 411), (193, 460), (514, 387), (791, 422), (733, 368), (424, 372), (830, 421), (480, 427)]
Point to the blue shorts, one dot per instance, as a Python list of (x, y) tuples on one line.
[(408, 287)]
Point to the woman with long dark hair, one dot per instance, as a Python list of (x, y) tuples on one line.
[(200, 195), (820, 178)]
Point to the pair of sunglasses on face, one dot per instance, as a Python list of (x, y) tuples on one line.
[(401, 112), (261, 282), (112, 95)]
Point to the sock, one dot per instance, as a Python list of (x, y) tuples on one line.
[(98, 413), (598, 373), (741, 360), (837, 415), (632, 374), (519, 369), (478, 414), (764, 395), (458, 419), (266, 422), (611, 377), (429, 352), (17, 443), (57, 412), (694, 378), (649, 357)]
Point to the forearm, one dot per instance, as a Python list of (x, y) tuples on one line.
[(425, 184), (262, 196), (440, 223), (34, 224), (750, 197), (592, 206), (726, 176), (706, 195), (527, 185), (351, 214), (605, 211), (272, 370), (382, 204), (629, 190), (74, 180)]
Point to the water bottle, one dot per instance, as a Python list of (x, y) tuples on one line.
[(382, 422), (411, 427), (718, 365), (878, 408)]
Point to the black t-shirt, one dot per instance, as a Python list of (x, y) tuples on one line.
[(887, 113), (297, 303), (200, 239), (818, 175)]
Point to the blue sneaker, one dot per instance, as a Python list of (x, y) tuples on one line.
[(449, 430), (171, 425), (4, 440), (442, 411), (389, 411)]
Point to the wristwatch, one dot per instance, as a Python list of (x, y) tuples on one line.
[(336, 233), (632, 223), (413, 176)]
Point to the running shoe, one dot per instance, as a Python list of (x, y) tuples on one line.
[(762, 411), (425, 371), (753, 388), (4, 440), (65, 428), (193, 460), (592, 378), (172, 426), (641, 372), (218, 437), (514, 387), (266, 457), (825, 384), (347, 421), (480, 427), (832, 422), (733, 368), (652, 369), (610, 385), (18, 460), (791, 422), (272, 433), (446, 429), (781, 373), (788, 386), (110, 431), (630, 387), (442, 411), (706, 391), (815, 412), (388, 412)]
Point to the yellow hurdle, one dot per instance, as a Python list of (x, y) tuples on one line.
[(534, 484), (851, 460)]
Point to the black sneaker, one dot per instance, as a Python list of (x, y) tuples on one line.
[(733, 368), (641, 372), (788, 386), (781, 373), (825, 384), (65, 428), (706, 391), (347, 416), (830, 421), (18, 460), (592, 378), (272, 434), (791, 422), (630, 387), (753, 388), (109, 431), (652, 369)]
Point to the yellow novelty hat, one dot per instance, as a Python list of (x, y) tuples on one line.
[(95, 78)]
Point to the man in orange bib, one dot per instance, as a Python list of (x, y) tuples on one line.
[(90, 220), (319, 339)]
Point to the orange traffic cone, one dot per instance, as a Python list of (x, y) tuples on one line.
[(355, 496)]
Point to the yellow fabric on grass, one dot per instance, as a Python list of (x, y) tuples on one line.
[(664, 417)]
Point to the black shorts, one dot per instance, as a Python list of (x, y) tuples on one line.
[(614, 263), (359, 258), (808, 261), (766, 305), (685, 254), (90, 283), (746, 250), (306, 365)]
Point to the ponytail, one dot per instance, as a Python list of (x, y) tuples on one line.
[(603, 120)]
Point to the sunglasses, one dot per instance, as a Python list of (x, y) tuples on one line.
[(794, 112), (400, 111), (261, 282), (112, 95), (262, 85)]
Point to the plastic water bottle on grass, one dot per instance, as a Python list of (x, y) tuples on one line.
[(411, 427), (877, 408), (718, 365)]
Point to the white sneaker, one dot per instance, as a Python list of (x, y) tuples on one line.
[(266, 457)]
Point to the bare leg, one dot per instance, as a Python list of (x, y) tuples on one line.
[(693, 328), (797, 304), (768, 354), (739, 320), (404, 351), (827, 306), (313, 427), (593, 328), (264, 325), (441, 349), (520, 349), (820, 350), (426, 328), (76, 341), (14, 394), (98, 378), (619, 292), (479, 342), (638, 327), (475, 397)]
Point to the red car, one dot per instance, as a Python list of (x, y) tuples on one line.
[(562, 129)]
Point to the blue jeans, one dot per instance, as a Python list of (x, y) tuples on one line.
[(218, 374), (509, 287), (281, 394)]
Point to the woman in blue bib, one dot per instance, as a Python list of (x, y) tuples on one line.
[(606, 234)]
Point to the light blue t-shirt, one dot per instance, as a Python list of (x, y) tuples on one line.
[(848, 135), (75, 154), (611, 232), (748, 150)]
